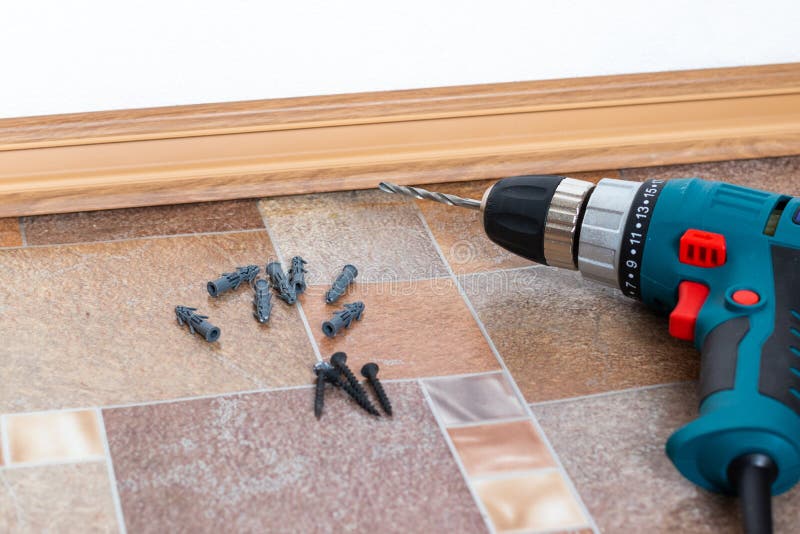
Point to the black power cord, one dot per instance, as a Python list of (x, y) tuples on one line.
[(753, 475)]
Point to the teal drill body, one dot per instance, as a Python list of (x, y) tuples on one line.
[(743, 294)]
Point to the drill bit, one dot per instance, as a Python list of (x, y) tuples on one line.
[(424, 194)]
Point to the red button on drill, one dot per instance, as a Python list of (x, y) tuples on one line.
[(683, 319), (746, 297), (702, 249)]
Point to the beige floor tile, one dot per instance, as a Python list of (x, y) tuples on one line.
[(262, 463), (781, 175), (501, 447), (72, 498), (10, 235), (381, 234), (613, 450), (469, 399), (54, 436), (410, 329), (93, 325), (536, 501), (130, 223), (563, 336)]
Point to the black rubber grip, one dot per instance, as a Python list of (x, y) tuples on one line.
[(720, 356), (781, 352), (515, 213)]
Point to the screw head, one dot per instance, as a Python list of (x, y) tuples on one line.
[(370, 370), (322, 367), (339, 358)]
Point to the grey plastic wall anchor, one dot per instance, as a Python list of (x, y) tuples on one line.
[(230, 281), (197, 323), (345, 278), (262, 301), (280, 283), (343, 318), (297, 275)]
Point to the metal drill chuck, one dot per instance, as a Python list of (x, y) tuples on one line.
[(602, 230)]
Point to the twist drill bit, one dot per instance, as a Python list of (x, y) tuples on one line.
[(424, 194), (345, 278), (197, 323)]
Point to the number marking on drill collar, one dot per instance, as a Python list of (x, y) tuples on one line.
[(635, 237)]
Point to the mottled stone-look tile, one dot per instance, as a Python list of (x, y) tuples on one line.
[(460, 233), (562, 336), (262, 462), (536, 501), (781, 175), (500, 447), (142, 222), (468, 399), (613, 449), (57, 498), (10, 235), (54, 436), (411, 329), (94, 324), (381, 234)]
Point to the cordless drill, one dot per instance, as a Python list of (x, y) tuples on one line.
[(723, 262)]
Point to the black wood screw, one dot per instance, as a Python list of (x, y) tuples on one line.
[(339, 361), (352, 386), (370, 372), (321, 369)]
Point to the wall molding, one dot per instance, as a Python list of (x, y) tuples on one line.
[(273, 147)]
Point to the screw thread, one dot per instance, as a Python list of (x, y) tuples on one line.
[(383, 398), (319, 395)]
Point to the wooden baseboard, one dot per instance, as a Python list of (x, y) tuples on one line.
[(274, 147)]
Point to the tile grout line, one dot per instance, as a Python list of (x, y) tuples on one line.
[(271, 389), (300, 309), (445, 377), (509, 377), (111, 474), (5, 443), (22, 235), (48, 463), (454, 454), (138, 238), (611, 393)]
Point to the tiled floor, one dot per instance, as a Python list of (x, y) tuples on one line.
[(525, 399)]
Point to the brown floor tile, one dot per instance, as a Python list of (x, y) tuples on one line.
[(142, 222), (470, 399), (537, 501), (54, 436), (381, 234), (262, 462), (57, 498), (781, 175), (411, 329), (10, 235), (460, 233), (89, 325), (613, 450), (501, 447), (562, 336)]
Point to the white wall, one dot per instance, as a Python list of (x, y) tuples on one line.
[(60, 56)]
